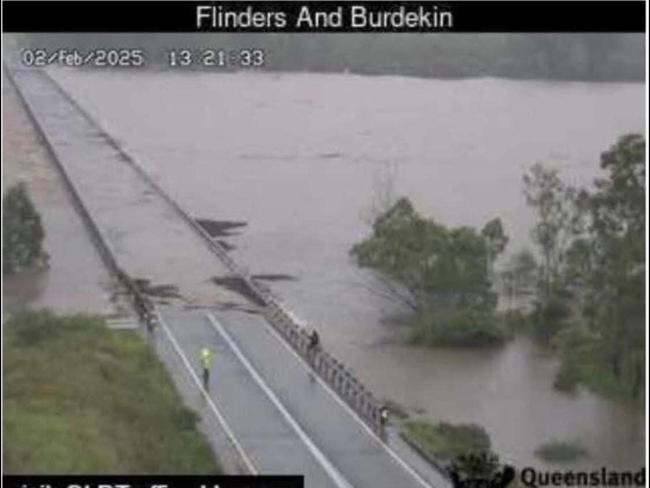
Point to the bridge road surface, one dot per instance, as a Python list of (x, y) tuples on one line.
[(345, 453), (143, 231), (285, 423)]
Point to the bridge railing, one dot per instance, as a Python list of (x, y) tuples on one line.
[(339, 377)]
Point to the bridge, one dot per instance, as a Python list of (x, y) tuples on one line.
[(273, 405)]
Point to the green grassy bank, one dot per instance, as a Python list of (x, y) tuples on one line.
[(444, 441), (80, 398)]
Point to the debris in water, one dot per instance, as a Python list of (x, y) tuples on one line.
[(274, 277), (239, 308), (220, 228), (332, 155), (226, 245), (160, 291), (238, 285)]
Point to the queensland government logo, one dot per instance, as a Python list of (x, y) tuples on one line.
[(483, 470), (480, 470)]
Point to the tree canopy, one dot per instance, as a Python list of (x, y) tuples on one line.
[(591, 294), (440, 272), (22, 232)]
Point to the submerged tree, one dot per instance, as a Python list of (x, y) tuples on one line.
[(441, 273), (519, 275), (495, 240), (615, 246), (593, 247), (22, 232), (552, 200), (554, 204)]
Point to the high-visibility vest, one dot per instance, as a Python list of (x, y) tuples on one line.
[(206, 358)]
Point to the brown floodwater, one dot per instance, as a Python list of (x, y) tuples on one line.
[(298, 158), (75, 279)]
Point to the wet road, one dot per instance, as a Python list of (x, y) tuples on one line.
[(131, 216), (68, 245), (284, 420)]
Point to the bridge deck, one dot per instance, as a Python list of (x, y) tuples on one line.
[(284, 421), (361, 457), (142, 230), (271, 444)]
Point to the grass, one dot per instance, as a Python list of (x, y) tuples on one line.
[(561, 452), (80, 398), (445, 441)]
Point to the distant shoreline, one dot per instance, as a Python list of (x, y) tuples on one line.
[(588, 57), (160, 68)]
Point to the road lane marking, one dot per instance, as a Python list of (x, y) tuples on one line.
[(327, 465), (354, 414), (217, 413)]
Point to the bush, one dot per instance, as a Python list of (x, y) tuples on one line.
[(515, 321), (446, 441), (578, 349), (567, 377), (550, 318), (561, 452), (459, 327), (22, 232)]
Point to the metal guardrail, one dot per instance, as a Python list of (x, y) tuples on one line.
[(332, 371)]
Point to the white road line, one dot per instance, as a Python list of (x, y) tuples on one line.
[(354, 414), (327, 465), (220, 418)]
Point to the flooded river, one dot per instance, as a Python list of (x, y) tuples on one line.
[(298, 157)]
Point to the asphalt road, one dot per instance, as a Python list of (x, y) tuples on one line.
[(285, 419)]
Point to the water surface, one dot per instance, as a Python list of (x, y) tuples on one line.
[(298, 157)]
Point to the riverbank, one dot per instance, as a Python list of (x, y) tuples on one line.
[(80, 398)]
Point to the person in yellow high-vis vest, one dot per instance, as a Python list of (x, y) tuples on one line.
[(206, 361)]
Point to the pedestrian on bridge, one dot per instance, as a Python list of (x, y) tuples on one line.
[(312, 348), (206, 362), (314, 341), (383, 416)]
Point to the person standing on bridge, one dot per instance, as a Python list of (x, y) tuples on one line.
[(313, 345), (206, 362)]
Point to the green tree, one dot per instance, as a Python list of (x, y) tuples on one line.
[(593, 248), (555, 204), (547, 194), (613, 260), (439, 272), (22, 232), (496, 241), (519, 275)]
